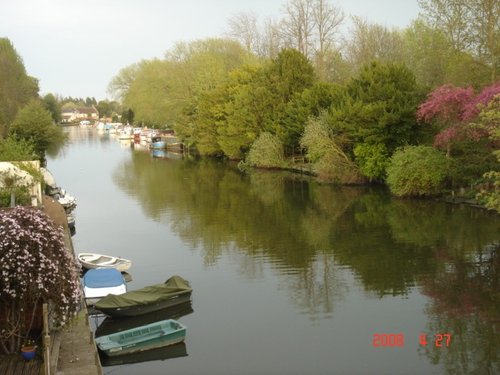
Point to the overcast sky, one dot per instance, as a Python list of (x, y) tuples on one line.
[(75, 47)]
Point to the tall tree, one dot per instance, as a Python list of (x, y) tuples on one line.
[(471, 25), (34, 123), (243, 27), (371, 42), (298, 25), (16, 86), (327, 20), (52, 105)]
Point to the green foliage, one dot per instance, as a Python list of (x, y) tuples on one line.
[(34, 123), (310, 102), (379, 107), (329, 160), (489, 192), (266, 151), (417, 171), (372, 160), (12, 149), (52, 105), (16, 87)]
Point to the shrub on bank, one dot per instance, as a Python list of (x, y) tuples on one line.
[(266, 152), (417, 171)]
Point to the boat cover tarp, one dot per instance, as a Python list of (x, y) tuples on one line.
[(175, 285), (102, 278)]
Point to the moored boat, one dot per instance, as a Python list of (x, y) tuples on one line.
[(113, 325), (150, 336), (157, 143), (100, 282), (92, 260), (174, 291)]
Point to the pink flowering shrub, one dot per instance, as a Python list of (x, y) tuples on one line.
[(35, 268), (454, 110)]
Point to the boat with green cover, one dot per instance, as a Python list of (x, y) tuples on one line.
[(152, 298), (151, 336)]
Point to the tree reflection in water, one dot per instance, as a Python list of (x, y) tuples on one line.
[(309, 233)]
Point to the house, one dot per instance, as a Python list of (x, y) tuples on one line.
[(79, 114)]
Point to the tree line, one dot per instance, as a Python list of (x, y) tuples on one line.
[(297, 86)]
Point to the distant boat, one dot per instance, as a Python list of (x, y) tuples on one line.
[(92, 260), (157, 143), (100, 282), (151, 336), (173, 292)]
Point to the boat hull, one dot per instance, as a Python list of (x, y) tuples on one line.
[(92, 261)]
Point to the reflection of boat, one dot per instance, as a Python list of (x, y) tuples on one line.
[(112, 325), (100, 282), (168, 352), (174, 291), (91, 260), (163, 154), (151, 336)]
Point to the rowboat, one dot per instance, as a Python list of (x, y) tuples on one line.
[(150, 336), (100, 282), (92, 260), (113, 325), (152, 298)]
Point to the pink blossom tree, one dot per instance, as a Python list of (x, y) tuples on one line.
[(453, 110), (35, 268)]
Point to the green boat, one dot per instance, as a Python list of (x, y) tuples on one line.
[(151, 336), (152, 298)]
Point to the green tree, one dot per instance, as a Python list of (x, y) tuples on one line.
[(52, 105), (16, 87), (12, 149), (372, 160), (417, 171), (378, 107), (34, 123), (104, 108)]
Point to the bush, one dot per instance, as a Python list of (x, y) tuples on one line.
[(417, 171), (372, 160), (35, 268), (266, 151)]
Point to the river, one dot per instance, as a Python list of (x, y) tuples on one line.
[(291, 276)]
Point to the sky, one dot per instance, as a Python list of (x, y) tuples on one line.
[(75, 47)]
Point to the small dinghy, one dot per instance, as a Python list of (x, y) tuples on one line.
[(150, 336), (100, 282), (91, 260)]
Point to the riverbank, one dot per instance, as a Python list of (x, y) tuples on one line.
[(73, 348)]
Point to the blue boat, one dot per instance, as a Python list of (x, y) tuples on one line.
[(157, 143), (100, 282), (147, 337)]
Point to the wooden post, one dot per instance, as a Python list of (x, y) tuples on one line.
[(46, 339)]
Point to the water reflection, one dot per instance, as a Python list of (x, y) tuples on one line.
[(326, 243)]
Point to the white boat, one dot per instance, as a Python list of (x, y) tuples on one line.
[(100, 282), (92, 260)]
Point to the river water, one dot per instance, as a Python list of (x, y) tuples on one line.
[(291, 276)]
